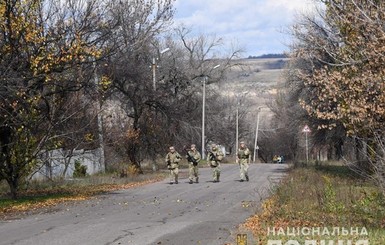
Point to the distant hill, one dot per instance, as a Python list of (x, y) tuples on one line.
[(262, 77), (266, 56), (275, 64)]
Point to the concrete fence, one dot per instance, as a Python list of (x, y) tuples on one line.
[(61, 163)]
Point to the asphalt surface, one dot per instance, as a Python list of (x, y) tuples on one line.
[(205, 213)]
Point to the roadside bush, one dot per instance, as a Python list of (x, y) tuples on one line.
[(80, 170), (130, 170)]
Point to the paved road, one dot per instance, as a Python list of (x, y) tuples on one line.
[(206, 213)]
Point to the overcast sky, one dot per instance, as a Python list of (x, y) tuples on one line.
[(256, 25)]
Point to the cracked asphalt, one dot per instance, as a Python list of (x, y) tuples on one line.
[(206, 213)]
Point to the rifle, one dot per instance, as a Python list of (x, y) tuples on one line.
[(212, 156), (190, 158)]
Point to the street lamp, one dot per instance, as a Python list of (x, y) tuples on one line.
[(154, 68), (236, 129), (237, 122), (203, 116), (203, 111), (306, 130), (256, 147), (100, 123)]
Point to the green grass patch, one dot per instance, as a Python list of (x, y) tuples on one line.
[(326, 198)]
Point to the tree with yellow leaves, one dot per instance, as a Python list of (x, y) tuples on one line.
[(46, 54)]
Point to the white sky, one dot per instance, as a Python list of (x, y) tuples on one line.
[(258, 26)]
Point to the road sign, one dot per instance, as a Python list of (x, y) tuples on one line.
[(306, 129)]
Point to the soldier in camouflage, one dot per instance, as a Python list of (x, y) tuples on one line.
[(243, 159), (214, 158), (193, 157), (172, 160)]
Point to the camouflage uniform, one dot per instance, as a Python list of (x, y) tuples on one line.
[(172, 160), (243, 158), (214, 158), (193, 157)]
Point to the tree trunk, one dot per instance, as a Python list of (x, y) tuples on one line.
[(132, 156), (14, 187)]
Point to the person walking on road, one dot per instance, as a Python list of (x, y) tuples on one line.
[(172, 160), (193, 157), (214, 158), (243, 159)]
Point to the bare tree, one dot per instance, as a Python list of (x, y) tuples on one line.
[(171, 113), (133, 39), (203, 60)]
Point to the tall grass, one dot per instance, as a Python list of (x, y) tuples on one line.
[(322, 196)]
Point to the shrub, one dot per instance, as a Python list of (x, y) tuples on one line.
[(80, 170)]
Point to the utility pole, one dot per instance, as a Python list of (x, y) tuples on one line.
[(154, 74), (100, 123), (154, 66), (236, 128), (203, 116), (306, 130), (256, 147), (203, 112), (238, 102)]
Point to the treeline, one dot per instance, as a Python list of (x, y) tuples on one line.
[(84, 74), (265, 56), (336, 85)]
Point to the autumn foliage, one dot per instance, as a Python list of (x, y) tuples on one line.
[(44, 53), (345, 79)]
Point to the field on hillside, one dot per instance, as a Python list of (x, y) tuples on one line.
[(259, 80), (259, 77)]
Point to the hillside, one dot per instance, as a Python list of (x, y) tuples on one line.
[(259, 78), (256, 83)]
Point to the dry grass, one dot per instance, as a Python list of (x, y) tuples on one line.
[(45, 195), (330, 196)]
